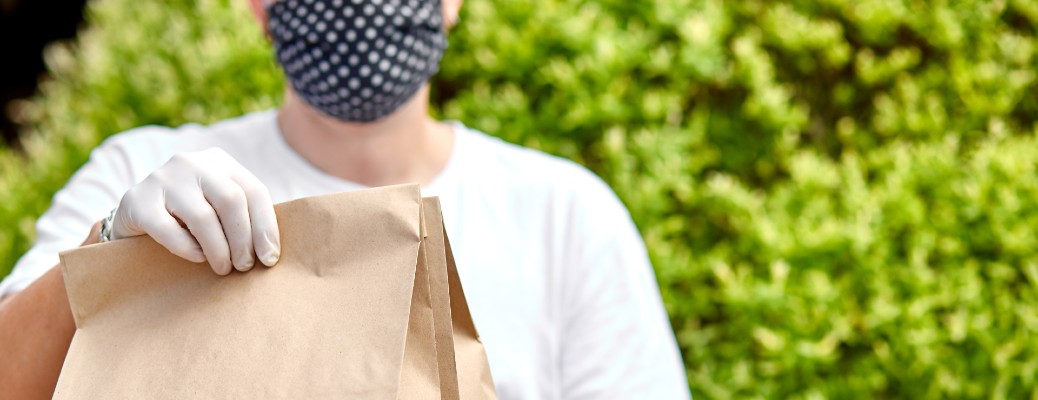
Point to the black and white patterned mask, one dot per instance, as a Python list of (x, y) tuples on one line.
[(357, 60)]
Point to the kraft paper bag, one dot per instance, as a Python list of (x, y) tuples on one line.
[(365, 303)]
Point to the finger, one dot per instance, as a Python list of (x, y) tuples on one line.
[(156, 222), (201, 220), (228, 200), (265, 233), (165, 229), (126, 222)]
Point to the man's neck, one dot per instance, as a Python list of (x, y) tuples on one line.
[(407, 146)]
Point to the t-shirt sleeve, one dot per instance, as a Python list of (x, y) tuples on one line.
[(86, 198), (617, 339)]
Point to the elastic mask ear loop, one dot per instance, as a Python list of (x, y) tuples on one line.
[(267, 5), (450, 22)]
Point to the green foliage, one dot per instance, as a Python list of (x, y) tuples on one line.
[(840, 196)]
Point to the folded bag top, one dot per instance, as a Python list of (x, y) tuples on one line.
[(364, 303)]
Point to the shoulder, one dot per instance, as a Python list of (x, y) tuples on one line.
[(535, 175), (145, 148), (154, 137), (526, 168)]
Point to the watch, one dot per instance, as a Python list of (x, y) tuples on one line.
[(106, 226)]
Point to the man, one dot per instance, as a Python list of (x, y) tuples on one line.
[(556, 275)]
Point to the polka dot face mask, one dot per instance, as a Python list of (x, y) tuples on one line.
[(357, 60)]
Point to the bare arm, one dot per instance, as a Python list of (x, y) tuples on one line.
[(36, 328)]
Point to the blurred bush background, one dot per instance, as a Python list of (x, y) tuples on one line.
[(840, 197)]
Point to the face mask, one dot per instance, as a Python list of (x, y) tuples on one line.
[(357, 60)]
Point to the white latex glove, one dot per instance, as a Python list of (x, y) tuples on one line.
[(203, 206)]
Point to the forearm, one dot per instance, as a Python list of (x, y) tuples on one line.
[(36, 328)]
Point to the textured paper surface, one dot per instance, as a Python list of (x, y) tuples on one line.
[(355, 285)]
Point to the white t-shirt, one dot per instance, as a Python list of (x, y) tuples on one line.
[(557, 277)]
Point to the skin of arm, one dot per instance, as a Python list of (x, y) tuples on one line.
[(36, 329)]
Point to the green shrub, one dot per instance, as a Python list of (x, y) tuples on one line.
[(840, 197)]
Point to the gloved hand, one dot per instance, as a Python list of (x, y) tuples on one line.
[(203, 206)]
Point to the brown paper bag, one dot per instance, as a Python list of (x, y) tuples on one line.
[(364, 303)]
